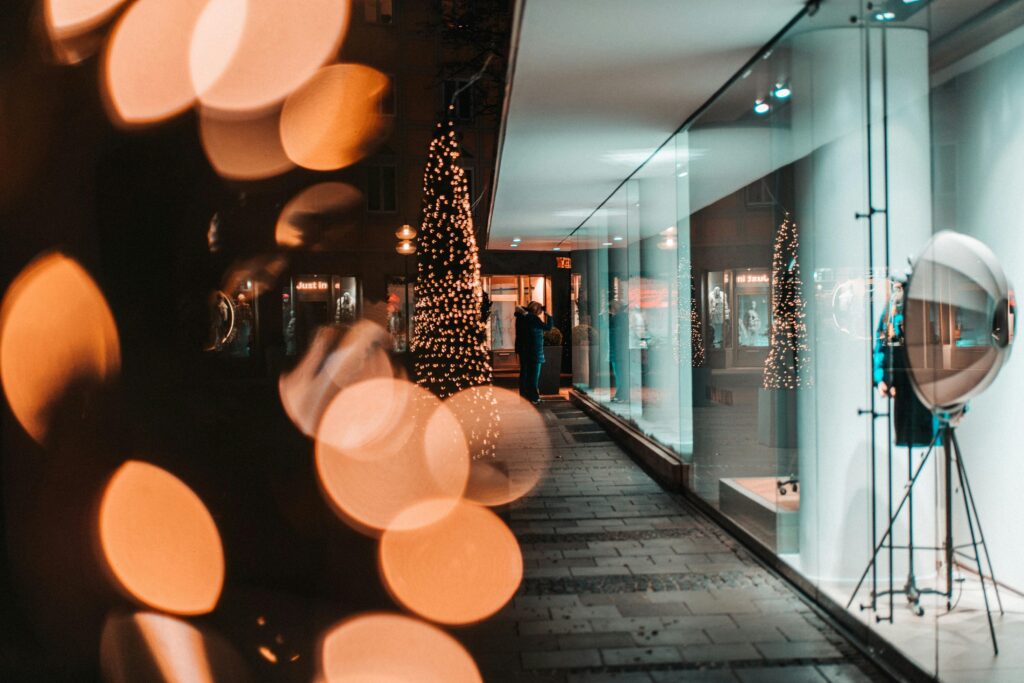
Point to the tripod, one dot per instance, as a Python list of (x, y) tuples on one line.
[(950, 445)]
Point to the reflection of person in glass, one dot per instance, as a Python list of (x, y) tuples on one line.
[(718, 314), (618, 347), (534, 324), (345, 309)]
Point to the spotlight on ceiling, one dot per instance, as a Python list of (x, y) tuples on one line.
[(557, 249), (885, 16), (617, 238), (514, 245), (517, 239), (606, 244), (761, 107), (781, 91)]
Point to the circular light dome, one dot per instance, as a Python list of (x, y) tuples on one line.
[(959, 320)]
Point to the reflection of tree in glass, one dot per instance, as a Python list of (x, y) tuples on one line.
[(788, 355)]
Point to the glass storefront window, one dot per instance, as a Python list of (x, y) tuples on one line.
[(742, 299)]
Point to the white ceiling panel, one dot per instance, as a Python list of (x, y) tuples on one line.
[(597, 85)]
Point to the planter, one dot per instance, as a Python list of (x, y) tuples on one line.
[(551, 370), (776, 417), (581, 364)]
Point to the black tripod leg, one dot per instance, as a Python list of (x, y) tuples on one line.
[(947, 448), (974, 543), (981, 533), (892, 521)]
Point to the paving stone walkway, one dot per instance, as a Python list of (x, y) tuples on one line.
[(625, 582)]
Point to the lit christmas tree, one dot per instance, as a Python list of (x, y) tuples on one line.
[(696, 331), (788, 355), (449, 345)]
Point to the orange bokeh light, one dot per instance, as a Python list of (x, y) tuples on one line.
[(316, 215), (377, 648), (243, 147), (66, 18), (159, 540), (56, 331), (522, 450), (280, 46), (373, 468), (334, 120), (331, 363), (460, 569), (146, 74), (156, 647)]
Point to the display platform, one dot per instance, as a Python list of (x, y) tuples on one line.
[(756, 504)]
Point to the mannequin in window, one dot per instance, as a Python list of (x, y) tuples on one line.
[(718, 314), (345, 309), (913, 423), (750, 325)]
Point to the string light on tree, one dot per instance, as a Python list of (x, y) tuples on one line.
[(788, 354), (449, 345)]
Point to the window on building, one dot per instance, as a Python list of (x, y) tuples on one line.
[(380, 188), (379, 11), (463, 101)]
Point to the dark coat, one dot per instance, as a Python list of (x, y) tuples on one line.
[(533, 339), (521, 332)]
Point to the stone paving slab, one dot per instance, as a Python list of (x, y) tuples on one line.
[(624, 583)]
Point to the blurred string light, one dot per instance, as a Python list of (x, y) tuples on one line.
[(146, 65), (449, 347), (523, 450), (75, 26), (281, 46), (384, 446), (319, 217), (334, 360), (788, 359), (393, 647), (57, 334), (146, 646), (459, 569), (243, 146), (334, 120), (159, 541)]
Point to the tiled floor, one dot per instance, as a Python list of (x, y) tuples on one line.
[(624, 582)]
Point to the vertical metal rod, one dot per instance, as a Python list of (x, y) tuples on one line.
[(871, 314), (974, 542), (885, 196)]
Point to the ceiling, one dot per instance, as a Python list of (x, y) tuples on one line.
[(596, 86)]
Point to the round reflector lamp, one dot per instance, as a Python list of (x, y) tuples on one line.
[(960, 319)]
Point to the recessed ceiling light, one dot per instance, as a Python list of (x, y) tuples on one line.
[(761, 107), (885, 16), (683, 174), (557, 249), (514, 245), (617, 238), (517, 239), (606, 244), (782, 91)]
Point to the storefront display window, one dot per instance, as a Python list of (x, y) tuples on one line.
[(738, 301), (313, 301)]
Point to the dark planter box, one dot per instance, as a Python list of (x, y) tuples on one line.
[(551, 371)]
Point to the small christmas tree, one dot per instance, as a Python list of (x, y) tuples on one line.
[(788, 355), (449, 346)]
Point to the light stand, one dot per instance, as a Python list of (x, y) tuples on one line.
[(952, 456)]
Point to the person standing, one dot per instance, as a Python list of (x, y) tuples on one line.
[(530, 329), (520, 342)]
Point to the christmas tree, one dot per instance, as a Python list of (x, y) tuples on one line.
[(788, 355), (449, 347)]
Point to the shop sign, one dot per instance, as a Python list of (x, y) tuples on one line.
[(563, 262)]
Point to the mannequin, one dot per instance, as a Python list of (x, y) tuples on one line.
[(718, 313)]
